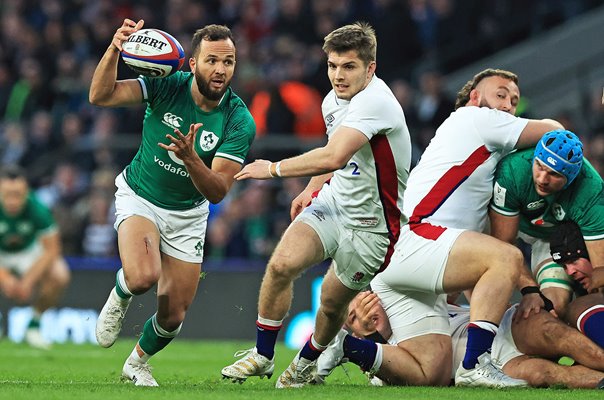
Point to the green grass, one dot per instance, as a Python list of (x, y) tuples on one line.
[(191, 370)]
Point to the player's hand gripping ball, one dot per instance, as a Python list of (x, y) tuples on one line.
[(153, 53)]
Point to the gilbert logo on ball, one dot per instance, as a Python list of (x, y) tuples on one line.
[(153, 53)]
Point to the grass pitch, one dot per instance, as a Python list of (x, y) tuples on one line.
[(191, 370)]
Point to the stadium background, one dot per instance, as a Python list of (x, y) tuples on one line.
[(426, 50)]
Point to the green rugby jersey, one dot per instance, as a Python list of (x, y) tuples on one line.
[(514, 194), (158, 175), (18, 232)]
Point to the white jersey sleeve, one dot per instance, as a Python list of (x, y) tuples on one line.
[(499, 130)]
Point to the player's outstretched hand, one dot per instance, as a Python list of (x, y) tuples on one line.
[(259, 169), (124, 31), (530, 303), (183, 146)]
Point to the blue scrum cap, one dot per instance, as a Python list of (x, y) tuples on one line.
[(561, 151)]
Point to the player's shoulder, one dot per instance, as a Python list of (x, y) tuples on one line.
[(236, 110), (36, 208), (519, 158), (589, 180), (169, 87)]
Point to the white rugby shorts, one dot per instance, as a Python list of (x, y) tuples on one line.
[(182, 232), (20, 262), (418, 263), (357, 254)]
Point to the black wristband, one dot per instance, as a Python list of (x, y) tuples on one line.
[(548, 305), (530, 289), (376, 337)]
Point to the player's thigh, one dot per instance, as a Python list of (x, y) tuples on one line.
[(299, 248), (433, 352), (472, 255), (138, 243)]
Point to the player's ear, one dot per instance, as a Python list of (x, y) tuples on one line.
[(474, 98), (192, 63)]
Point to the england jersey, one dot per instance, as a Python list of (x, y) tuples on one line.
[(452, 184), (369, 188)]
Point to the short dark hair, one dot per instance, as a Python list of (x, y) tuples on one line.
[(211, 33), (567, 244), (359, 36), (463, 96), (12, 172)]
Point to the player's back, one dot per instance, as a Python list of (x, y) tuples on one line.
[(452, 184)]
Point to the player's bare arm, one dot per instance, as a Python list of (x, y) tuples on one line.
[(213, 183), (341, 147), (105, 89), (533, 131)]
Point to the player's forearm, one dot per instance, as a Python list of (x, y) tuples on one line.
[(105, 77), (212, 185), (316, 162), (526, 278)]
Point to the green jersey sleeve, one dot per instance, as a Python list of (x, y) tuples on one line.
[(513, 177)]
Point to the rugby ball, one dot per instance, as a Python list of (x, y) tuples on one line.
[(153, 53)]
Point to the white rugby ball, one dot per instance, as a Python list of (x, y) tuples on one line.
[(153, 53)]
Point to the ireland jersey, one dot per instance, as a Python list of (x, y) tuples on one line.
[(158, 175), (514, 194), (18, 232)]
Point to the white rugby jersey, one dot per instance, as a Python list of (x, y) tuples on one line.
[(369, 189), (453, 182)]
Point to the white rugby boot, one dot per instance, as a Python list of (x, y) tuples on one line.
[(331, 357), (34, 338), (485, 374), (138, 373), (109, 323), (299, 373), (251, 363)]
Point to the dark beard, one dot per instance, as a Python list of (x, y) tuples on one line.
[(204, 88), (484, 103)]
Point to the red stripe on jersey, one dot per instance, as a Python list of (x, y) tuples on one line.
[(447, 184), (387, 182), (427, 231), (268, 327), (584, 318)]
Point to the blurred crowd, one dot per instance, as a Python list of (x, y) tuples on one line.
[(73, 151)]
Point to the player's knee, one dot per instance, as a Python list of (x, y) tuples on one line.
[(144, 280), (280, 268), (508, 262)]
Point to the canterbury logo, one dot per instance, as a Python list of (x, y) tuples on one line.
[(551, 161), (172, 120)]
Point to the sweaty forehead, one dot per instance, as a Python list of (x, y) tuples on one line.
[(223, 48)]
